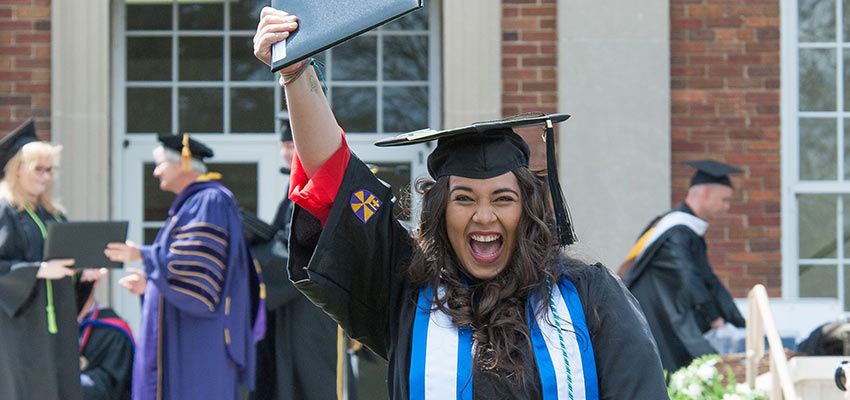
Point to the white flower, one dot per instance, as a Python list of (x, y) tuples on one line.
[(731, 396), (678, 381), (742, 388), (693, 390), (706, 372)]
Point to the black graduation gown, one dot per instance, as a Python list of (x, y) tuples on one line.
[(680, 294), (357, 272), (297, 358), (34, 364), (109, 362)]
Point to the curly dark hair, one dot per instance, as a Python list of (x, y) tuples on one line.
[(494, 309)]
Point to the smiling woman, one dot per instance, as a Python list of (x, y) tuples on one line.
[(481, 218), (481, 301)]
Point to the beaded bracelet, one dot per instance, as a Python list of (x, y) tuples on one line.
[(286, 79)]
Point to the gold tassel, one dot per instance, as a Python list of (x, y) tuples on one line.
[(340, 360), (186, 154)]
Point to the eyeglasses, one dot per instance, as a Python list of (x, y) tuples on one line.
[(45, 170)]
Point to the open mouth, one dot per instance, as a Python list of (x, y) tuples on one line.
[(485, 248)]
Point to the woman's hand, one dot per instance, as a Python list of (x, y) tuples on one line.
[(316, 134), (93, 274), (274, 26), (718, 323), (123, 252), (135, 282), (55, 269)]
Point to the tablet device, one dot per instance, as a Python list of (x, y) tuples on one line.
[(84, 242)]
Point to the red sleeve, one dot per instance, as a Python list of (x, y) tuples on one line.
[(317, 194)]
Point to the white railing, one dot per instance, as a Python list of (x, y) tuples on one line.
[(760, 324)]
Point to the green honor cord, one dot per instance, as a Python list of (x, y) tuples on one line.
[(51, 311)]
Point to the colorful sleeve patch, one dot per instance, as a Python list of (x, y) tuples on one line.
[(364, 204)]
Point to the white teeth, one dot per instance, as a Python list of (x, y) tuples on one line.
[(485, 238)]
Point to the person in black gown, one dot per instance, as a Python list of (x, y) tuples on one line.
[(297, 359), (668, 270), (106, 348), (481, 302), (38, 327)]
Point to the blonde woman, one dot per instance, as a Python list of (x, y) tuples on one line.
[(38, 326)]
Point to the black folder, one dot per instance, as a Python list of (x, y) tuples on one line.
[(323, 24), (84, 242), (256, 230)]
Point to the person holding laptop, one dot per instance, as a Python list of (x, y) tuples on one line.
[(38, 325)]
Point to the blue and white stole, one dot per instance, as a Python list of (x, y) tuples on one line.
[(441, 354)]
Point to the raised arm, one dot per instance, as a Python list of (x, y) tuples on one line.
[(314, 128)]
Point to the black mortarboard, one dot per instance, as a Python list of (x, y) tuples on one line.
[(195, 149), (488, 149), (710, 171), (12, 143)]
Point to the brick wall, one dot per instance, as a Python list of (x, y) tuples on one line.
[(25, 64), (529, 56), (529, 64), (725, 105)]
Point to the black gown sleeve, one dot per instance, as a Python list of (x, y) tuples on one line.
[(273, 256), (627, 361), (351, 268), (17, 275), (681, 247), (110, 362), (723, 301), (683, 296), (279, 289)]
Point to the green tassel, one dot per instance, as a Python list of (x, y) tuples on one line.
[(51, 311)]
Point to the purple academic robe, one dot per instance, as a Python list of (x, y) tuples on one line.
[(196, 341)]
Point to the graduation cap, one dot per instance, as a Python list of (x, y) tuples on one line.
[(286, 133), (12, 143), (187, 147), (488, 149), (710, 171)]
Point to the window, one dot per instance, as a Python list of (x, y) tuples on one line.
[(383, 81), (816, 149), (190, 68)]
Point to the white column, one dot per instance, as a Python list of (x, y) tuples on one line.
[(614, 78), (80, 102), (472, 61)]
